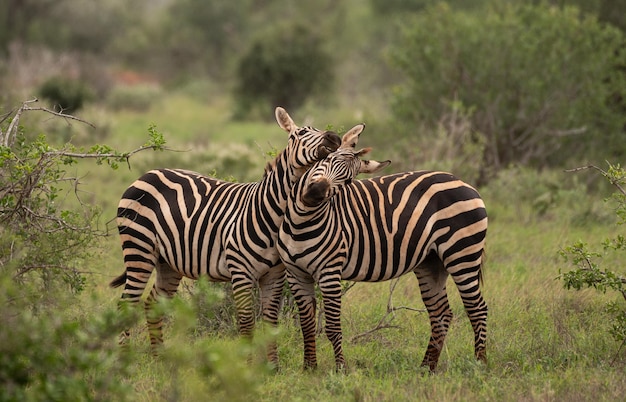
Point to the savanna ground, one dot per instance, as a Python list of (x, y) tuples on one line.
[(545, 343)]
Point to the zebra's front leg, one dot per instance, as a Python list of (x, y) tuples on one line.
[(271, 289), (242, 293), (303, 290), (330, 286)]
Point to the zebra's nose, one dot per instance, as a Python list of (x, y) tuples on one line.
[(330, 144), (316, 193)]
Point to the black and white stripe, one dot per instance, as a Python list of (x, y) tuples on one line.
[(184, 224), (335, 228)]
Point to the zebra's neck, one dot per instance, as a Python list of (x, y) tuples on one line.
[(276, 185), (301, 214)]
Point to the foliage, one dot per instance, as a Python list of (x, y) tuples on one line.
[(537, 78), (285, 67), (589, 273), (45, 238), (65, 93), (47, 355)]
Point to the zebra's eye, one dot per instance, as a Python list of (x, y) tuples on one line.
[(349, 181)]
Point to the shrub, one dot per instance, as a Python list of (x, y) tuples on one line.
[(284, 67), (45, 354), (537, 77), (67, 94), (589, 272)]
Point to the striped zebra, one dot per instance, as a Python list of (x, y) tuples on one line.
[(184, 224), (377, 229)]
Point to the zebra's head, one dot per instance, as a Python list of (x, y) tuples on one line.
[(306, 145), (338, 169)]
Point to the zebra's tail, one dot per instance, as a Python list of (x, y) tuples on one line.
[(119, 281)]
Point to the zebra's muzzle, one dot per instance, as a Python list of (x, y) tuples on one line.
[(329, 144), (316, 193)]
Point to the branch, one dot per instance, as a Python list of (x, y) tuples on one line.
[(604, 173), (124, 155), (384, 321), (59, 114), (7, 138)]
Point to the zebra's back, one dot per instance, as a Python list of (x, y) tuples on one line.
[(182, 216), (391, 223)]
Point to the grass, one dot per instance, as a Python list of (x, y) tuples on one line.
[(545, 343)]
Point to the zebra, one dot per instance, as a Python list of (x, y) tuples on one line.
[(377, 229), (184, 224)]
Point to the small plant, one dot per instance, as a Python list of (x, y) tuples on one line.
[(589, 273)]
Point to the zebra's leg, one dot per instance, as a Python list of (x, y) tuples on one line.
[(166, 285), (243, 286), (271, 289), (303, 289), (135, 280), (468, 281), (432, 279), (330, 287)]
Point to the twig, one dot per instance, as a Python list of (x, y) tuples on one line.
[(604, 173), (384, 322), (125, 155), (59, 114), (7, 138), (621, 346)]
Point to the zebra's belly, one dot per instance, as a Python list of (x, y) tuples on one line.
[(196, 262), (373, 272)]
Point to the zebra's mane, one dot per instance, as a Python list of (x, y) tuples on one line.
[(271, 165)]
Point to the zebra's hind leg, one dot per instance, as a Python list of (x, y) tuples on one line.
[(271, 289), (303, 290), (432, 279), (166, 284), (135, 281), (468, 282)]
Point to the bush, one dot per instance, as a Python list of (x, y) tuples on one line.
[(285, 67), (67, 94), (45, 353), (538, 78), (589, 272)]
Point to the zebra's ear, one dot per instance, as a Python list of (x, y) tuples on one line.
[(373, 166), (351, 138), (284, 120)]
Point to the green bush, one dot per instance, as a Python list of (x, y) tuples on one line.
[(69, 95), (591, 272), (538, 79), (285, 67), (47, 353)]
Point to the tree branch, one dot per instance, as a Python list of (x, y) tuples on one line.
[(604, 173), (385, 322), (7, 138)]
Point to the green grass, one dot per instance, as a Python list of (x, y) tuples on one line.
[(545, 343)]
